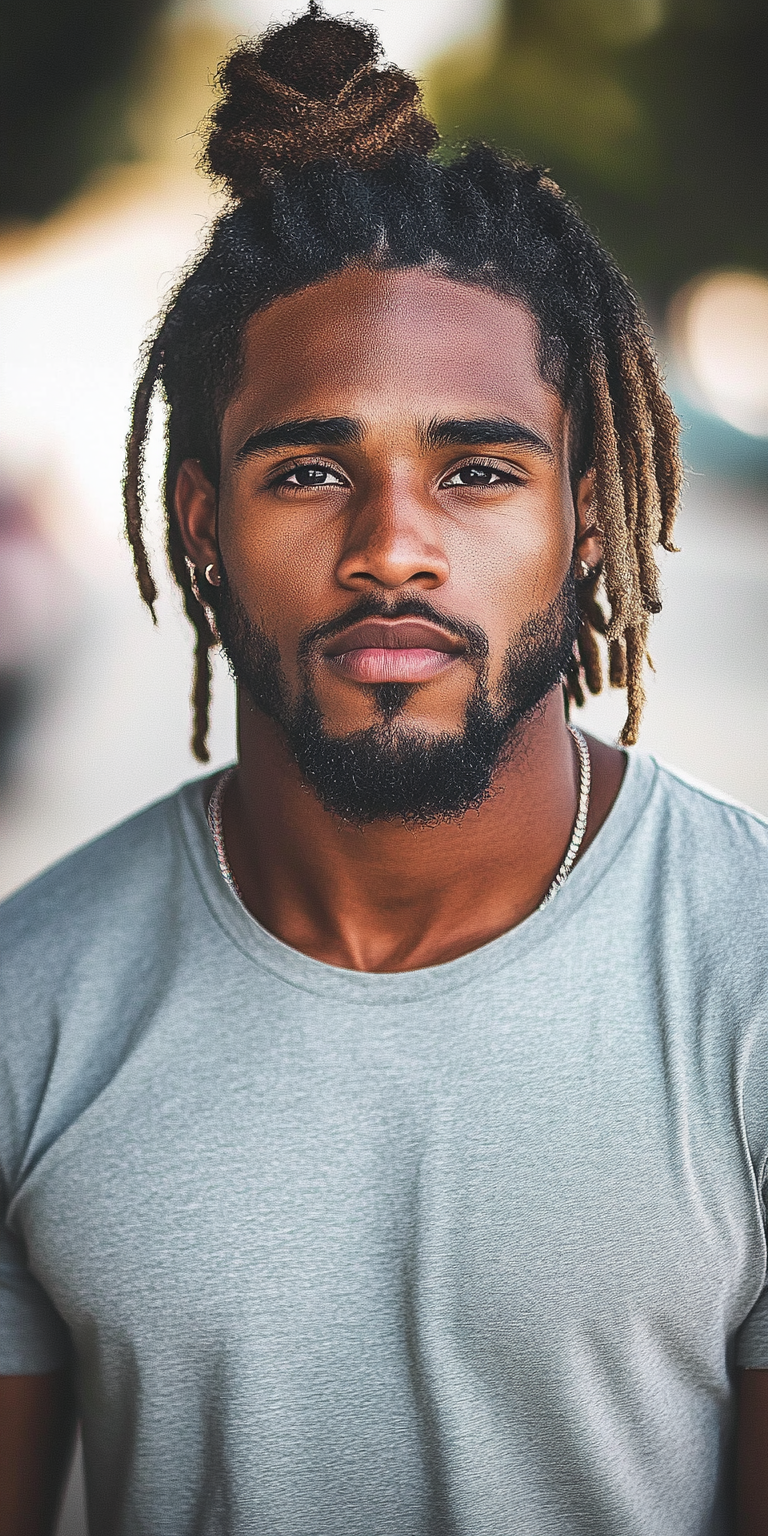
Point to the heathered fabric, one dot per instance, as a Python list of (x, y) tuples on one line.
[(463, 1250)]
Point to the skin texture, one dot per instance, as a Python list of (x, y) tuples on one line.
[(37, 1422), (752, 1455), (394, 352)]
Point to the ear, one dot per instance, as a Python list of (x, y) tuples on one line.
[(588, 543), (195, 502)]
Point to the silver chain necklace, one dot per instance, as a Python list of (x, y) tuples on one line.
[(577, 836), (217, 830), (580, 824)]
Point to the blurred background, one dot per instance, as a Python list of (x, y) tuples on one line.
[(651, 113)]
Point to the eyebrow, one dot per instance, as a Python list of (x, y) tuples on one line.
[(483, 431), (335, 431), (325, 431)]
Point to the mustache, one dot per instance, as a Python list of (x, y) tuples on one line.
[(372, 606)]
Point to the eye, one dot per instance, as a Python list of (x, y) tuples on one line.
[(478, 474), (306, 477)]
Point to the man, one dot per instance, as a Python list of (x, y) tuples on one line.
[(385, 1119)]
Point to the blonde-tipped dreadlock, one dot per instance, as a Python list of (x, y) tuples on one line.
[(326, 156)]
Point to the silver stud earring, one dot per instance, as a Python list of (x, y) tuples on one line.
[(209, 577), (586, 570)]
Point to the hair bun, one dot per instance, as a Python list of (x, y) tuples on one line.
[(311, 91)]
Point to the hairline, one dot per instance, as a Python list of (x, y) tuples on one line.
[(377, 262)]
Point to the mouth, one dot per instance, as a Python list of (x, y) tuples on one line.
[(393, 651)]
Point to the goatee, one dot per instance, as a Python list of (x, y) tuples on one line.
[(390, 771)]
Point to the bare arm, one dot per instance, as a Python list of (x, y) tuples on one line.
[(37, 1421), (752, 1454)]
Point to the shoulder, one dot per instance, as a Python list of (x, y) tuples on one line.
[(99, 881), (708, 830), (696, 872), (684, 870), (99, 916), (84, 949)]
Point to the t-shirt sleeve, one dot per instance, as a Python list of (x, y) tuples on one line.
[(33, 1338)]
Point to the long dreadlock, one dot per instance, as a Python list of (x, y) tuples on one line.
[(326, 157)]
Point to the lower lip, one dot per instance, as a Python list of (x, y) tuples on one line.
[(393, 666)]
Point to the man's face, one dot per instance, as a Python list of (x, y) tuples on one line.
[(396, 532)]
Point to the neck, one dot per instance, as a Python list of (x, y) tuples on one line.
[(389, 897)]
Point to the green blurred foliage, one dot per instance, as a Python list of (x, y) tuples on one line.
[(65, 83), (652, 114)]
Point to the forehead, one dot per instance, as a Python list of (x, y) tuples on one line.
[(392, 344)]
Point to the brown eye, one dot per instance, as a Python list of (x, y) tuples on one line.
[(480, 475), (309, 475), (475, 474)]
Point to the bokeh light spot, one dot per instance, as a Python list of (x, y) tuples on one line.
[(719, 329)]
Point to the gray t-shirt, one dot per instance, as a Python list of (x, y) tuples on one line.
[(453, 1252)]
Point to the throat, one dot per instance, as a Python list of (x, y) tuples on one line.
[(389, 896)]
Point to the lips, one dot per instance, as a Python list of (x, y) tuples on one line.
[(393, 651)]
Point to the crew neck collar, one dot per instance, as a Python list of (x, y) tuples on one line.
[(385, 988)]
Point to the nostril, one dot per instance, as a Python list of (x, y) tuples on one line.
[(421, 578)]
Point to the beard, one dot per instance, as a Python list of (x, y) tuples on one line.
[(389, 771)]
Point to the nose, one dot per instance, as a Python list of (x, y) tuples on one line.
[(392, 540)]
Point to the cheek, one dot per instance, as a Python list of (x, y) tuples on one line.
[(280, 568), (505, 569)]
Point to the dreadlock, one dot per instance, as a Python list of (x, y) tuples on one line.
[(326, 156)]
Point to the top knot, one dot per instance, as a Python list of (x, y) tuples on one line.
[(311, 91)]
